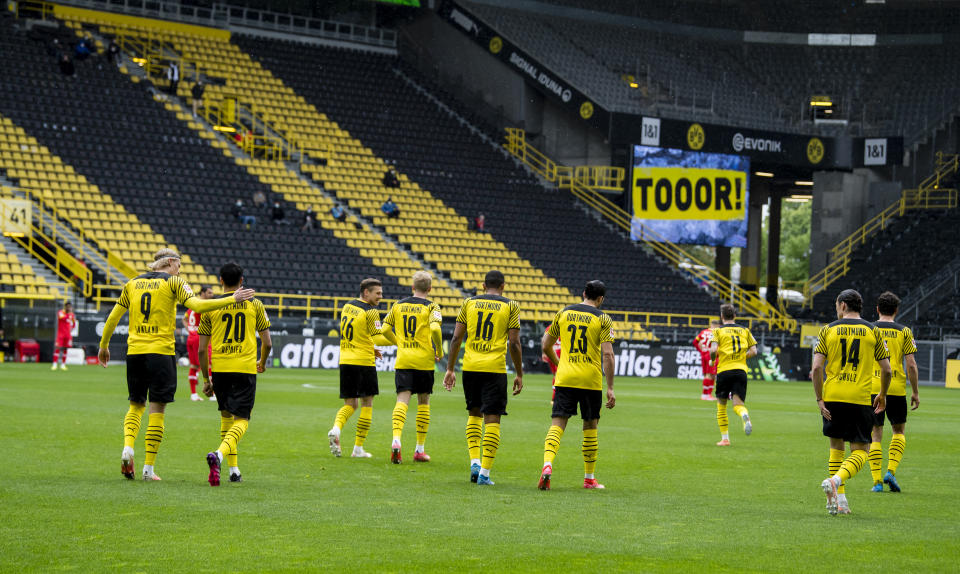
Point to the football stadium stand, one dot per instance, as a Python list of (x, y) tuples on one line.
[(134, 159), (472, 177), (764, 85)]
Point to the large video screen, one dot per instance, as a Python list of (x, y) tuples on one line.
[(690, 197)]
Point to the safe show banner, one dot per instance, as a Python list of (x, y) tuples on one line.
[(533, 71), (644, 360)]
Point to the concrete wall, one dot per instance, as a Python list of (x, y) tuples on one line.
[(499, 94), (842, 203)]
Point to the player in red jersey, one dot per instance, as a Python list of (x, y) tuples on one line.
[(553, 368), (702, 343), (66, 320), (191, 321)]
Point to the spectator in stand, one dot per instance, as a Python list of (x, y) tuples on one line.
[(242, 216), (338, 213), (196, 92), (481, 223), (259, 199), (390, 208), (66, 65), (113, 53), (390, 178), (173, 76), (309, 219), (82, 50), (278, 215), (53, 49)]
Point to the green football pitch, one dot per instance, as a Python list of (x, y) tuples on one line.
[(673, 502)]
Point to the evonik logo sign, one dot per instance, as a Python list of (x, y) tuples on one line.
[(740, 143)]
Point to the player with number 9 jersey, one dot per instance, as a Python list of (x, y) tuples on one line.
[(151, 299)]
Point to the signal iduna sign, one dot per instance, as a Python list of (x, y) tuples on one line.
[(689, 193)]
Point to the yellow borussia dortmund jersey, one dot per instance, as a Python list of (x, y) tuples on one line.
[(581, 329), (900, 343), (151, 300), (359, 322), (410, 319), (733, 342), (852, 348), (487, 318), (233, 334)]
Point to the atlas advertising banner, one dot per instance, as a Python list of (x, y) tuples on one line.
[(298, 352), (643, 360), (690, 197)]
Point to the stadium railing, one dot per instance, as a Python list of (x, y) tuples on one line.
[(928, 195), (58, 259), (749, 302), (46, 217)]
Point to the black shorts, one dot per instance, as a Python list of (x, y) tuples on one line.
[(235, 392), (567, 398), (358, 381), (731, 383), (414, 380), (152, 378), (850, 422), (486, 392), (896, 411)]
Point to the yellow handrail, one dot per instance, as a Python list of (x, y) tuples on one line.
[(45, 8), (65, 265), (87, 243), (566, 178), (928, 195)]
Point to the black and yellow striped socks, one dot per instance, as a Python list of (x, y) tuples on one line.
[(552, 444), (363, 425), (852, 465), (131, 424), (153, 438), (722, 421), (590, 447), (225, 424), (399, 419), (897, 445), (474, 436), (836, 460), (344, 414), (491, 442), (876, 462), (233, 436), (423, 425)]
